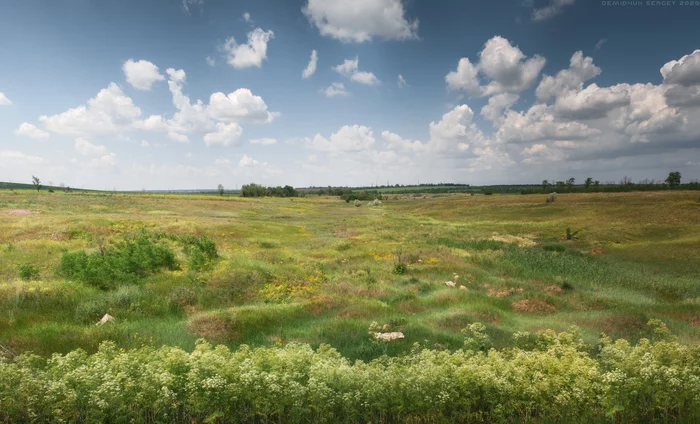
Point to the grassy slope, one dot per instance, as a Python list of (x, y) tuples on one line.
[(318, 270)]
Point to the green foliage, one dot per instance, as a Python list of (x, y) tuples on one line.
[(570, 235), (570, 183), (27, 271), (182, 296), (673, 179), (201, 252), (36, 182), (476, 338), (126, 262), (567, 286), (550, 377), (399, 268), (258, 190)]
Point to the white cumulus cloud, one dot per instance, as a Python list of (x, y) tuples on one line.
[(311, 67), (360, 20), (225, 135), (29, 130), (335, 89), (85, 148), (502, 65), (250, 54), (142, 74), (4, 101)]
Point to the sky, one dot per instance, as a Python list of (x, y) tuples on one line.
[(189, 94)]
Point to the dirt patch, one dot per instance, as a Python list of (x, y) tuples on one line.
[(503, 291), (490, 317), (210, 327), (20, 212), (533, 306), (507, 238), (554, 290), (344, 233), (596, 251), (623, 325)]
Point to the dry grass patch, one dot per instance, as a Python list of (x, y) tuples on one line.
[(554, 289), (533, 306), (210, 327), (501, 292), (524, 241)]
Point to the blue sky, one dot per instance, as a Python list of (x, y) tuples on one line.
[(104, 94)]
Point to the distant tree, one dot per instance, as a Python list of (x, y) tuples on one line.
[(221, 189), (545, 184), (37, 183), (596, 184), (588, 182), (560, 184), (674, 178), (289, 191), (570, 183), (626, 181)]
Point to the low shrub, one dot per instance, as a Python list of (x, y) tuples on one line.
[(357, 203), (181, 296), (91, 311), (27, 271), (399, 268), (123, 263), (552, 197)]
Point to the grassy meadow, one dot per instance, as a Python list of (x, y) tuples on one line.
[(318, 270)]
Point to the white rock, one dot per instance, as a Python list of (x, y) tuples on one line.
[(462, 288), (450, 283), (389, 336), (105, 319)]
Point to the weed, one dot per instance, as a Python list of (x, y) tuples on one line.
[(570, 235), (181, 297), (123, 263), (566, 286), (27, 271)]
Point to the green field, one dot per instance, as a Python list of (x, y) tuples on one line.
[(230, 309), (319, 270)]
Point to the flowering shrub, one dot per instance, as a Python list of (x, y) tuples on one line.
[(550, 378)]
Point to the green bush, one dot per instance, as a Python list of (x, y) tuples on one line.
[(399, 268), (181, 297), (201, 251), (550, 378), (27, 271), (91, 311), (123, 263)]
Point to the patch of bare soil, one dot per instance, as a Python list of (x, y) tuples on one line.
[(553, 289), (210, 327), (507, 238), (533, 306), (502, 292)]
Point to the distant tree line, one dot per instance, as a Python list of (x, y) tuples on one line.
[(673, 181), (259, 190)]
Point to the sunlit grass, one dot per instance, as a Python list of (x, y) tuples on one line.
[(319, 270)]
